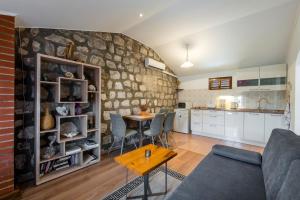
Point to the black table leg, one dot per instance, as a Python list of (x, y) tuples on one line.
[(146, 185), (141, 133)]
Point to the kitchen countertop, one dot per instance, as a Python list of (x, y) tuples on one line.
[(242, 110)]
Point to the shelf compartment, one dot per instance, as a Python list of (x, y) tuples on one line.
[(80, 121), (57, 167), (72, 90), (90, 156)]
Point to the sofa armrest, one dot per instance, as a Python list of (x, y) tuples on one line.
[(250, 157), (290, 188)]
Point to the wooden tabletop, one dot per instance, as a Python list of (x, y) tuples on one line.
[(136, 161), (140, 117)]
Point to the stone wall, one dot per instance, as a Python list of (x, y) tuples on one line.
[(126, 83)]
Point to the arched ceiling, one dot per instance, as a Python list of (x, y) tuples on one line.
[(222, 34)]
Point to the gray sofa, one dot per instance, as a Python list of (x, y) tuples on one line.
[(227, 173)]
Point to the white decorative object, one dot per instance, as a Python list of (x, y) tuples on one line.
[(69, 129), (62, 110), (69, 75), (92, 88)]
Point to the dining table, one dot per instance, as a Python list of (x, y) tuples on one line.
[(140, 118)]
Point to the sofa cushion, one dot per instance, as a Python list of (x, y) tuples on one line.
[(221, 178), (281, 150), (242, 155)]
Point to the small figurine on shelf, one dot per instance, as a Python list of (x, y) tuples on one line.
[(50, 151), (47, 120), (69, 50), (78, 109), (62, 110), (92, 88), (91, 121)]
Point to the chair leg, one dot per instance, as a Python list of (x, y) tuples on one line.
[(161, 141), (134, 142), (109, 150), (122, 145), (166, 139), (152, 140)]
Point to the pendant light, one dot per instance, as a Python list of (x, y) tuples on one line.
[(187, 63)]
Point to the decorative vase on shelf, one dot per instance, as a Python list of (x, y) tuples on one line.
[(47, 120)]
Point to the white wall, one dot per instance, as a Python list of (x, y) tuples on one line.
[(294, 74)]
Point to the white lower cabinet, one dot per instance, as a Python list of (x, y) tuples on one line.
[(273, 121), (247, 127), (254, 127), (213, 122), (196, 121), (234, 125)]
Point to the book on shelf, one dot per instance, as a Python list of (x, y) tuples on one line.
[(87, 158), (59, 164), (89, 144), (72, 150)]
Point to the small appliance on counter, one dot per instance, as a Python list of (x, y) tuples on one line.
[(182, 120)]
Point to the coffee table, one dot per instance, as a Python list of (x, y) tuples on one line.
[(137, 162)]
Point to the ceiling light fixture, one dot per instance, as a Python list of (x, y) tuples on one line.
[(141, 15), (187, 63)]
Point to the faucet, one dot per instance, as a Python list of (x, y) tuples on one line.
[(260, 100)]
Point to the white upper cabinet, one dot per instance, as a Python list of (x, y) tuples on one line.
[(254, 127), (273, 71), (273, 77), (273, 121), (247, 78), (234, 125)]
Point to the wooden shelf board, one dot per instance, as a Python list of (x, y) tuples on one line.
[(72, 102), (71, 116), (65, 61), (71, 79), (65, 139), (90, 148), (53, 158), (48, 131), (92, 130), (93, 92), (49, 82)]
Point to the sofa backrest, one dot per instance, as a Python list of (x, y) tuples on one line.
[(281, 150)]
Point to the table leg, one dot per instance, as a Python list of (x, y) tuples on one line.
[(126, 180), (166, 179), (146, 183), (141, 133)]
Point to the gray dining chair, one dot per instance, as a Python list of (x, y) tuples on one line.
[(119, 131), (163, 110), (156, 128), (168, 126)]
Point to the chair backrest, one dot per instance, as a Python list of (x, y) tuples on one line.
[(281, 150), (118, 125), (169, 122), (156, 125), (163, 110)]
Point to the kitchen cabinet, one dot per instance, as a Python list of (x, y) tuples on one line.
[(254, 127), (196, 121), (213, 122), (273, 121), (273, 77), (234, 125), (247, 78), (272, 71)]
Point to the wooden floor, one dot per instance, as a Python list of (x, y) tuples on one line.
[(96, 181)]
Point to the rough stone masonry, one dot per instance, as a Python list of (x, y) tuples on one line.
[(126, 82)]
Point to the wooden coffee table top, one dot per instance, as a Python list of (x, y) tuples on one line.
[(136, 161)]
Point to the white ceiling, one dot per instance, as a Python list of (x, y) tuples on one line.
[(222, 34)]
